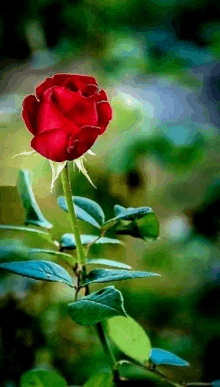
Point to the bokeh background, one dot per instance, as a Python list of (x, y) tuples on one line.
[(159, 61)]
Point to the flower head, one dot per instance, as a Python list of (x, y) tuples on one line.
[(66, 116)]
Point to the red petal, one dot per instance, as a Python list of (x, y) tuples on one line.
[(87, 80), (52, 145), (104, 113), (101, 96), (30, 112), (86, 138), (80, 110), (43, 87), (90, 90), (51, 117)]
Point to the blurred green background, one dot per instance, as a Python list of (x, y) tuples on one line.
[(159, 61)]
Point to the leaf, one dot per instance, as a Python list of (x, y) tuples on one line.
[(138, 222), (108, 262), (41, 270), (9, 227), (41, 378), (107, 275), (33, 214), (160, 356), (130, 337), (131, 213), (68, 240), (66, 257), (85, 209), (98, 306), (131, 371), (101, 379), (216, 383)]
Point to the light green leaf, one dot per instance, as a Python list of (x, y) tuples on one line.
[(98, 306), (41, 378), (130, 337), (160, 356), (68, 240), (108, 275), (101, 379), (108, 262), (41, 270), (148, 227), (33, 214), (66, 257), (86, 209), (9, 227)]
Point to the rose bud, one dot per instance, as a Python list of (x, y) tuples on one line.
[(66, 116)]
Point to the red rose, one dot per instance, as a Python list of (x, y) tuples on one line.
[(66, 116)]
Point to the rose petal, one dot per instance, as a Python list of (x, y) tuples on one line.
[(52, 145), (90, 90), (30, 111), (104, 111), (86, 138), (43, 87), (101, 96), (87, 80), (51, 117), (78, 109)]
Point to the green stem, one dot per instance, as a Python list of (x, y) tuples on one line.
[(81, 259), (102, 336)]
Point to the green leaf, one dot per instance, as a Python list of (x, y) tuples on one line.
[(160, 356), (68, 240), (101, 379), (98, 306), (108, 262), (131, 213), (130, 337), (66, 257), (41, 270), (131, 371), (33, 214), (86, 209), (138, 222), (107, 275), (216, 383), (9, 227), (41, 378)]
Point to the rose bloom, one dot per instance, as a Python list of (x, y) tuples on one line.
[(66, 116)]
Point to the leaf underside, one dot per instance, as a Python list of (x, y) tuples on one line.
[(108, 275), (159, 356), (68, 240)]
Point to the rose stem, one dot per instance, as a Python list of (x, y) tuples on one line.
[(81, 258)]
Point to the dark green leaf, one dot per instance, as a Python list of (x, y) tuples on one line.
[(85, 209), (159, 356), (101, 379), (66, 257), (131, 213), (105, 275), (41, 378), (216, 383), (97, 307), (131, 371), (108, 262), (68, 240), (138, 222), (41, 270), (9, 227), (33, 214), (130, 337)]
